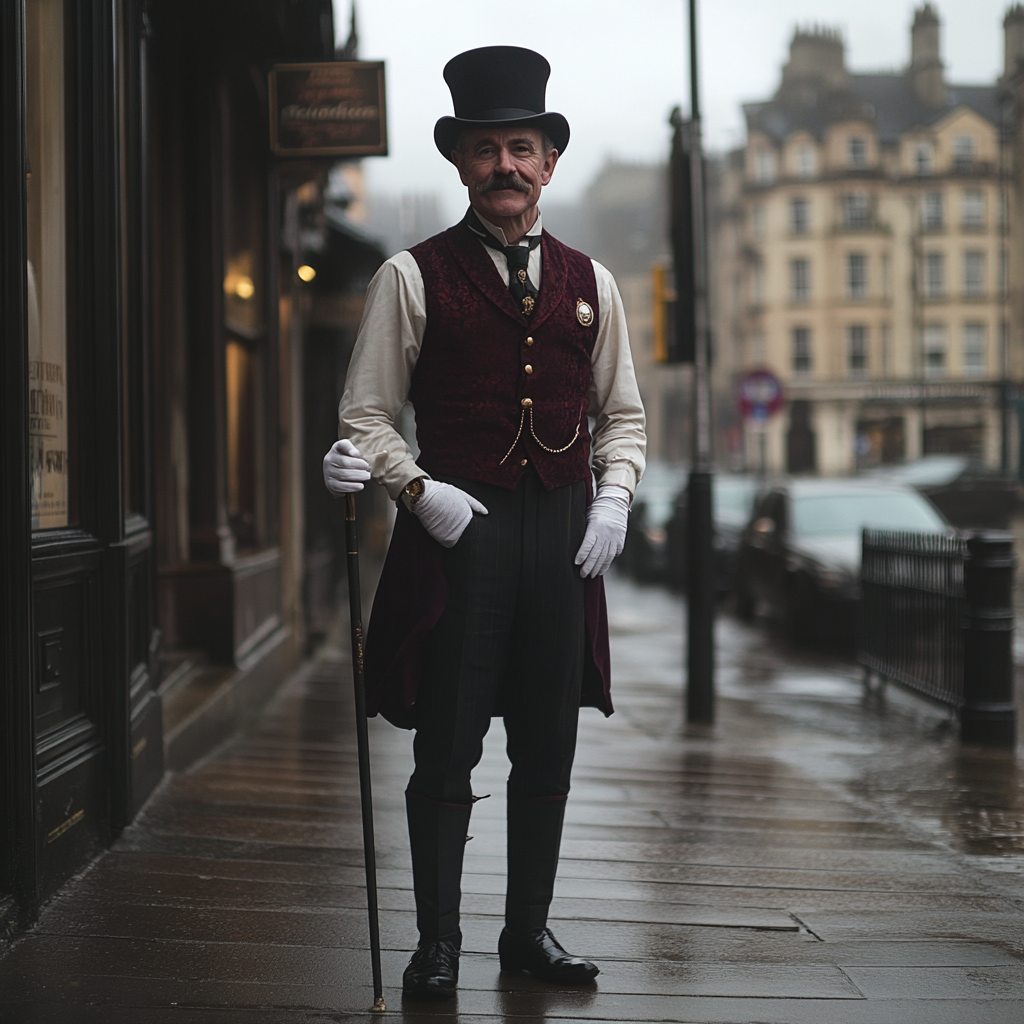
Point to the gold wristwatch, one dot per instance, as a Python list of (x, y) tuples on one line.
[(414, 490)]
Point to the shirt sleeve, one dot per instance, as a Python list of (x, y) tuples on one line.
[(620, 440), (380, 372)]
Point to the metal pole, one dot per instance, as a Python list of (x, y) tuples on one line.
[(700, 688), (363, 739), (989, 714)]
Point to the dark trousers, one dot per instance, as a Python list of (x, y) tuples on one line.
[(510, 641)]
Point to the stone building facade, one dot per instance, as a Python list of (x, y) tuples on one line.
[(863, 254)]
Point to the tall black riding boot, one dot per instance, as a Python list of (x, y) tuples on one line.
[(437, 837), (534, 838)]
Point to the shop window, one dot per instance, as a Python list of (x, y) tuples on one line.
[(856, 275), (799, 216), (932, 214), (974, 275), (799, 280), (857, 350), (801, 351), (974, 353), (243, 377), (934, 275), (933, 345), (47, 269)]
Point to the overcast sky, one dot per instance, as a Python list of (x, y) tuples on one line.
[(618, 67)]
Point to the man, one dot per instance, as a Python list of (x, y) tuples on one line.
[(491, 600)]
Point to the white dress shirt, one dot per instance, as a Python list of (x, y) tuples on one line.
[(388, 345)]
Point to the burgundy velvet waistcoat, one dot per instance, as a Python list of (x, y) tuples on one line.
[(470, 380)]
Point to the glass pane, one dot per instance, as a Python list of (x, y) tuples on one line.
[(47, 254)]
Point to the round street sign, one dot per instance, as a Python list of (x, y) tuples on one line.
[(760, 395)]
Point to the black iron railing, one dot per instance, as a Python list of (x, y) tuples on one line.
[(937, 616), (912, 611)]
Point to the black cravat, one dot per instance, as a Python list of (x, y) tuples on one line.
[(523, 291)]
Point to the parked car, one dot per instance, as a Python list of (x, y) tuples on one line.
[(732, 497), (645, 555), (966, 491), (799, 558)]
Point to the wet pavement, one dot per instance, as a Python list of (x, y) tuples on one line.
[(814, 857)]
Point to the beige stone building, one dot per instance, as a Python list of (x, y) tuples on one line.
[(862, 253)]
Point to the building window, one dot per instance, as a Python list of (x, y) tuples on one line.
[(886, 276), (799, 216), (799, 280), (856, 275), (973, 208), (856, 211), (757, 222), (856, 151), (1003, 265), (923, 158), (806, 161), (757, 285), (801, 351), (933, 345), (974, 355), (963, 152), (857, 350), (932, 217), (764, 165), (757, 347), (886, 350), (1002, 210), (934, 275), (974, 275)]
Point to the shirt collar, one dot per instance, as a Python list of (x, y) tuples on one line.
[(500, 235)]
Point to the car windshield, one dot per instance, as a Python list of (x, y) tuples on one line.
[(931, 471), (830, 515), (733, 498)]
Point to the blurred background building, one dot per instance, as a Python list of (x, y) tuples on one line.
[(863, 253)]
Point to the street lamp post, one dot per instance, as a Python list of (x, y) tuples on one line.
[(700, 686)]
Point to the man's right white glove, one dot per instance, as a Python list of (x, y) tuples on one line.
[(344, 468), (444, 510)]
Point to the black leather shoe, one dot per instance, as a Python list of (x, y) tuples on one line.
[(433, 971), (539, 953)]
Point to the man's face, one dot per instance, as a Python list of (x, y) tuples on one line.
[(504, 169)]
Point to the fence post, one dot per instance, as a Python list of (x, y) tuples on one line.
[(989, 714)]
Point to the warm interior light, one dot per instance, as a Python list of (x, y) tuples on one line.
[(239, 284), (306, 272)]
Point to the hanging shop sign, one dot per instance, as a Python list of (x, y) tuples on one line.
[(332, 109), (760, 396)]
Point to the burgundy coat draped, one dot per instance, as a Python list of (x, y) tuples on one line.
[(468, 391)]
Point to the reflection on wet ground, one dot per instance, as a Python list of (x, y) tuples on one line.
[(814, 857)]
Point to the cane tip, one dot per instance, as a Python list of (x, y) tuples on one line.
[(378, 1005)]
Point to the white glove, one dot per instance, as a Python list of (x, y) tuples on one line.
[(606, 530), (445, 511), (344, 470)]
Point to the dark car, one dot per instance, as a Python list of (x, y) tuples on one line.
[(799, 557), (966, 491), (732, 496), (645, 555)]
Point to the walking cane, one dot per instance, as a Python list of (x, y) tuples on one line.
[(363, 736)]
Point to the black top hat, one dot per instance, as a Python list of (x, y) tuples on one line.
[(498, 86)]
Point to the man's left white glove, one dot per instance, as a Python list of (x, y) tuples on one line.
[(606, 530), (344, 469)]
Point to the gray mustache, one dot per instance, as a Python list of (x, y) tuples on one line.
[(501, 182)]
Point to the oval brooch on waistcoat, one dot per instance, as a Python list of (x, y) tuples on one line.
[(584, 313)]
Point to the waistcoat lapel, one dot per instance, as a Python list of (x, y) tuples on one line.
[(553, 275), (469, 253)]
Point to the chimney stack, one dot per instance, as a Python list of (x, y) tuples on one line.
[(1013, 40), (925, 64)]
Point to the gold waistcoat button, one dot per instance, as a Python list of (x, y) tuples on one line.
[(528, 368), (529, 341), (526, 403)]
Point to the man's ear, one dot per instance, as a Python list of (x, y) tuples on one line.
[(548, 167), (457, 159)]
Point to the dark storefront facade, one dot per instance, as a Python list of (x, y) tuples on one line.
[(155, 398)]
